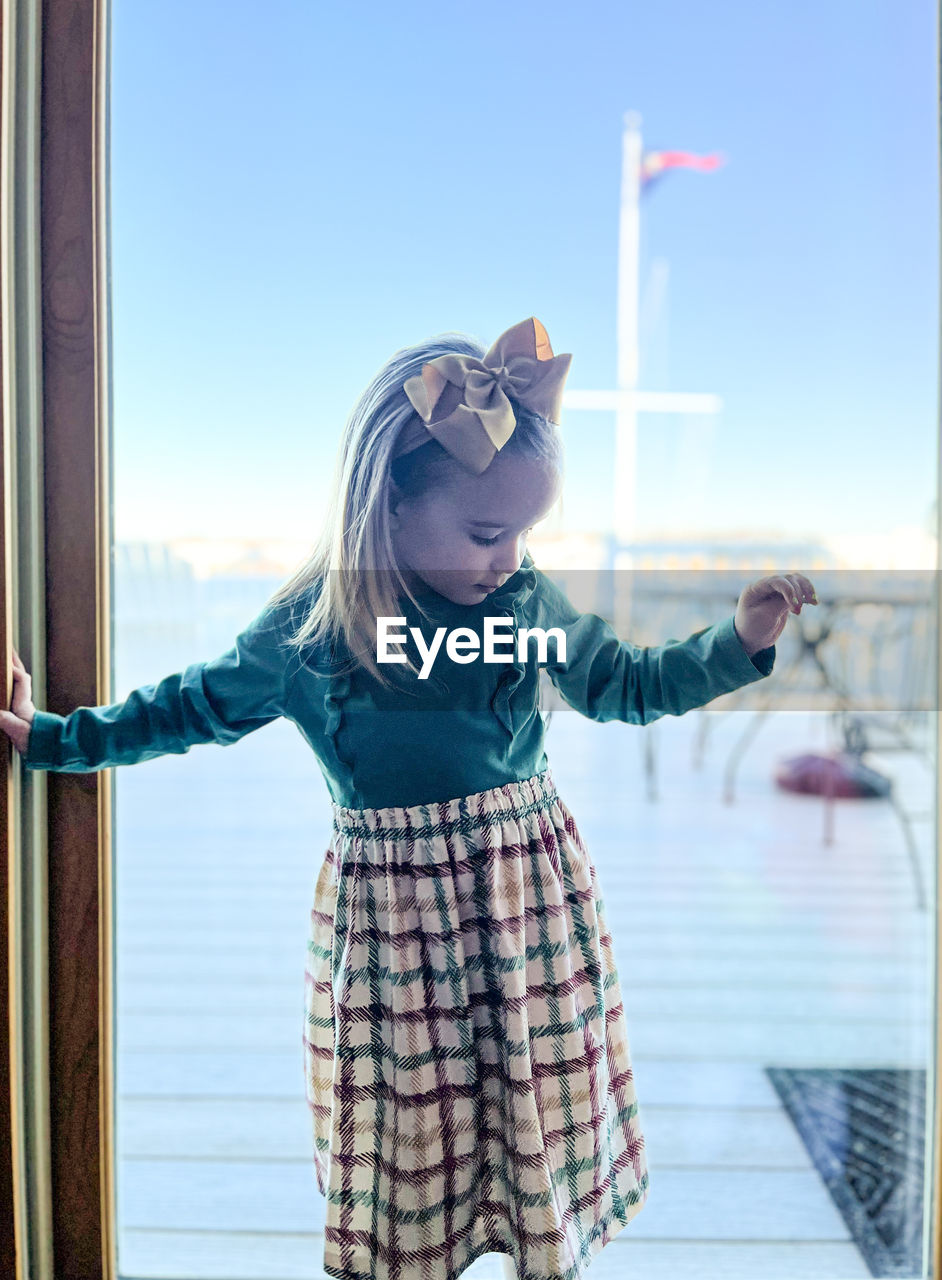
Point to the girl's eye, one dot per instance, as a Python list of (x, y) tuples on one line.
[(489, 542)]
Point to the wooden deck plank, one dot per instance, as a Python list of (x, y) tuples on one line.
[(278, 1129), (281, 1195), (246, 1255), (778, 1041), (297, 1256), (758, 999)]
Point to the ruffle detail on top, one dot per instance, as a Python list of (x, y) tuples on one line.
[(508, 600), (336, 673), (338, 690)]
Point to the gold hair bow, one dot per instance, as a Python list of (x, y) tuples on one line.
[(463, 401)]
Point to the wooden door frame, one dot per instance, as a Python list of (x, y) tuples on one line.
[(57, 1111)]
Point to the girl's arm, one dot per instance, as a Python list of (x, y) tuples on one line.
[(609, 679), (217, 701)]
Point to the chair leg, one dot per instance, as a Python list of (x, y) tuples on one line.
[(911, 849), (699, 741), (752, 728), (650, 762), (828, 838)]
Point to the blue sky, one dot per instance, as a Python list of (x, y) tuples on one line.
[(298, 189)]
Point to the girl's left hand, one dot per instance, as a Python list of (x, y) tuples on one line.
[(764, 607)]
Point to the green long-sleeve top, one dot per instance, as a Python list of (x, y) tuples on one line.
[(474, 726)]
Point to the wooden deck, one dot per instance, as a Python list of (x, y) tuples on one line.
[(751, 944)]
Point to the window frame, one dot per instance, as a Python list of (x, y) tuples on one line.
[(57, 1189)]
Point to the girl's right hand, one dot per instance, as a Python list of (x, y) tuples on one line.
[(16, 724)]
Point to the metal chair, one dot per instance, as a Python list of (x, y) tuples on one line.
[(880, 676)]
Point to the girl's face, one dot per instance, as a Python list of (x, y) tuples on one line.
[(467, 534)]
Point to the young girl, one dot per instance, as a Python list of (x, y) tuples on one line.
[(466, 1055)]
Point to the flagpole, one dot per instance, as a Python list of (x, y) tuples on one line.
[(626, 416), (625, 399)]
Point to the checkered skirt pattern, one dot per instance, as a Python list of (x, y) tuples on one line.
[(467, 1064)]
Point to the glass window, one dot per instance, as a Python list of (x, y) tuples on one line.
[(745, 269)]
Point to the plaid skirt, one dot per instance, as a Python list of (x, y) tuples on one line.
[(467, 1065)]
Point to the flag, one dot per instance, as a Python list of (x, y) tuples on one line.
[(654, 164)]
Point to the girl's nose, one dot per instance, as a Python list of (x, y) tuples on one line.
[(508, 556)]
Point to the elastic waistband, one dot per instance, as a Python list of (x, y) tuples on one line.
[(514, 801)]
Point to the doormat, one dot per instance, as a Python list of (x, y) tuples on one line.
[(865, 1131)]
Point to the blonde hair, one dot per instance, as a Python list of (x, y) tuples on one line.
[(352, 572)]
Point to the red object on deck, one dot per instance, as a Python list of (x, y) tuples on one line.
[(839, 775)]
